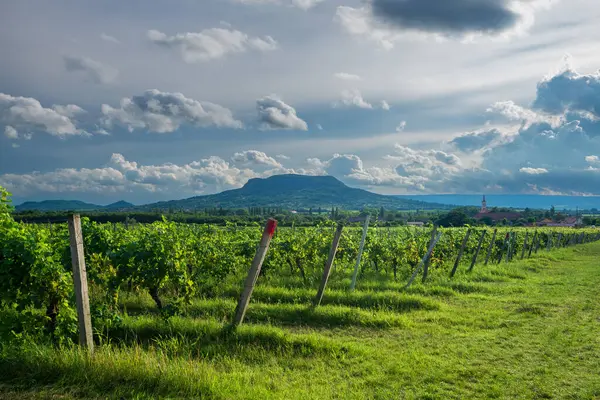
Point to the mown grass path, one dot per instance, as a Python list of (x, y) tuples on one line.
[(526, 330)]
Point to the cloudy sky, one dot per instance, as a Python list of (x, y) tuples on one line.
[(165, 99)]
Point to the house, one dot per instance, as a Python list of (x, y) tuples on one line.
[(569, 222), (415, 223)]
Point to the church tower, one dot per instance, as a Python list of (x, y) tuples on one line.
[(483, 205)]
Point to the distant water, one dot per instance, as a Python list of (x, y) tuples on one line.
[(514, 201)]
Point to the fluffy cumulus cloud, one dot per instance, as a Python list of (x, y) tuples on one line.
[(164, 112), (385, 105), (386, 21), (353, 98), (211, 44), (256, 158), (569, 91), (27, 115), (273, 113), (121, 176), (91, 70), (473, 141)]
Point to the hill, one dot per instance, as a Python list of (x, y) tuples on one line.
[(70, 205), (294, 192)]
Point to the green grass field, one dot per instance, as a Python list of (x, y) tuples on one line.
[(525, 330)]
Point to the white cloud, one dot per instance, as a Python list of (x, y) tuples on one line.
[(253, 158), (11, 132), (164, 112), (401, 127), (123, 176), (354, 98), (384, 105), (108, 38), (533, 171), (282, 157), (95, 71), (211, 44), (592, 159), (26, 113), (346, 76), (273, 113), (319, 127)]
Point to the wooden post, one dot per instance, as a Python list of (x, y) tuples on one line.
[(254, 271), (549, 243), (427, 255), (84, 318), (361, 247), (477, 251), (559, 240), (329, 264), (524, 245), (511, 246), (428, 260), (460, 252), (491, 246), (537, 244), (504, 247), (533, 243)]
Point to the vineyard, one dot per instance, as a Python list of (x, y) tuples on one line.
[(177, 263), (175, 287)]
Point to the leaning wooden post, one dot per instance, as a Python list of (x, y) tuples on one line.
[(474, 260), (537, 244), (460, 252), (428, 260), (427, 255), (84, 318), (361, 247), (524, 245), (504, 247), (254, 271), (533, 243), (329, 264), (491, 246)]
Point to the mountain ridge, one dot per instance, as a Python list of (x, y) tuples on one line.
[(288, 191)]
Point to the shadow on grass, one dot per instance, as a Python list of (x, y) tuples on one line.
[(285, 314), (212, 339), (378, 300)]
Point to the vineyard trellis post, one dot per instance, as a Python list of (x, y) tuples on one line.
[(427, 255), (491, 246), (524, 245), (82, 299), (477, 251), (549, 243), (254, 271), (512, 242), (460, 252), (537, 244), (329, 264), (533, 243), (361, 248), (504, 247), (428, 260), (559, 240)]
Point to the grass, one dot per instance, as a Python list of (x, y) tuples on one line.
[(529, 329)]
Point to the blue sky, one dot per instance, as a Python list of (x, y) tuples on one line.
[(146, 101)]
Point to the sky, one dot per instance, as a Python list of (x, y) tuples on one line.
[(146, 101)]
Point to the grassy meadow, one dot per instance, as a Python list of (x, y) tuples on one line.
[(525, 330)]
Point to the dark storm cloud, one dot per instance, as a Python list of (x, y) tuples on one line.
[(454, 17)]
